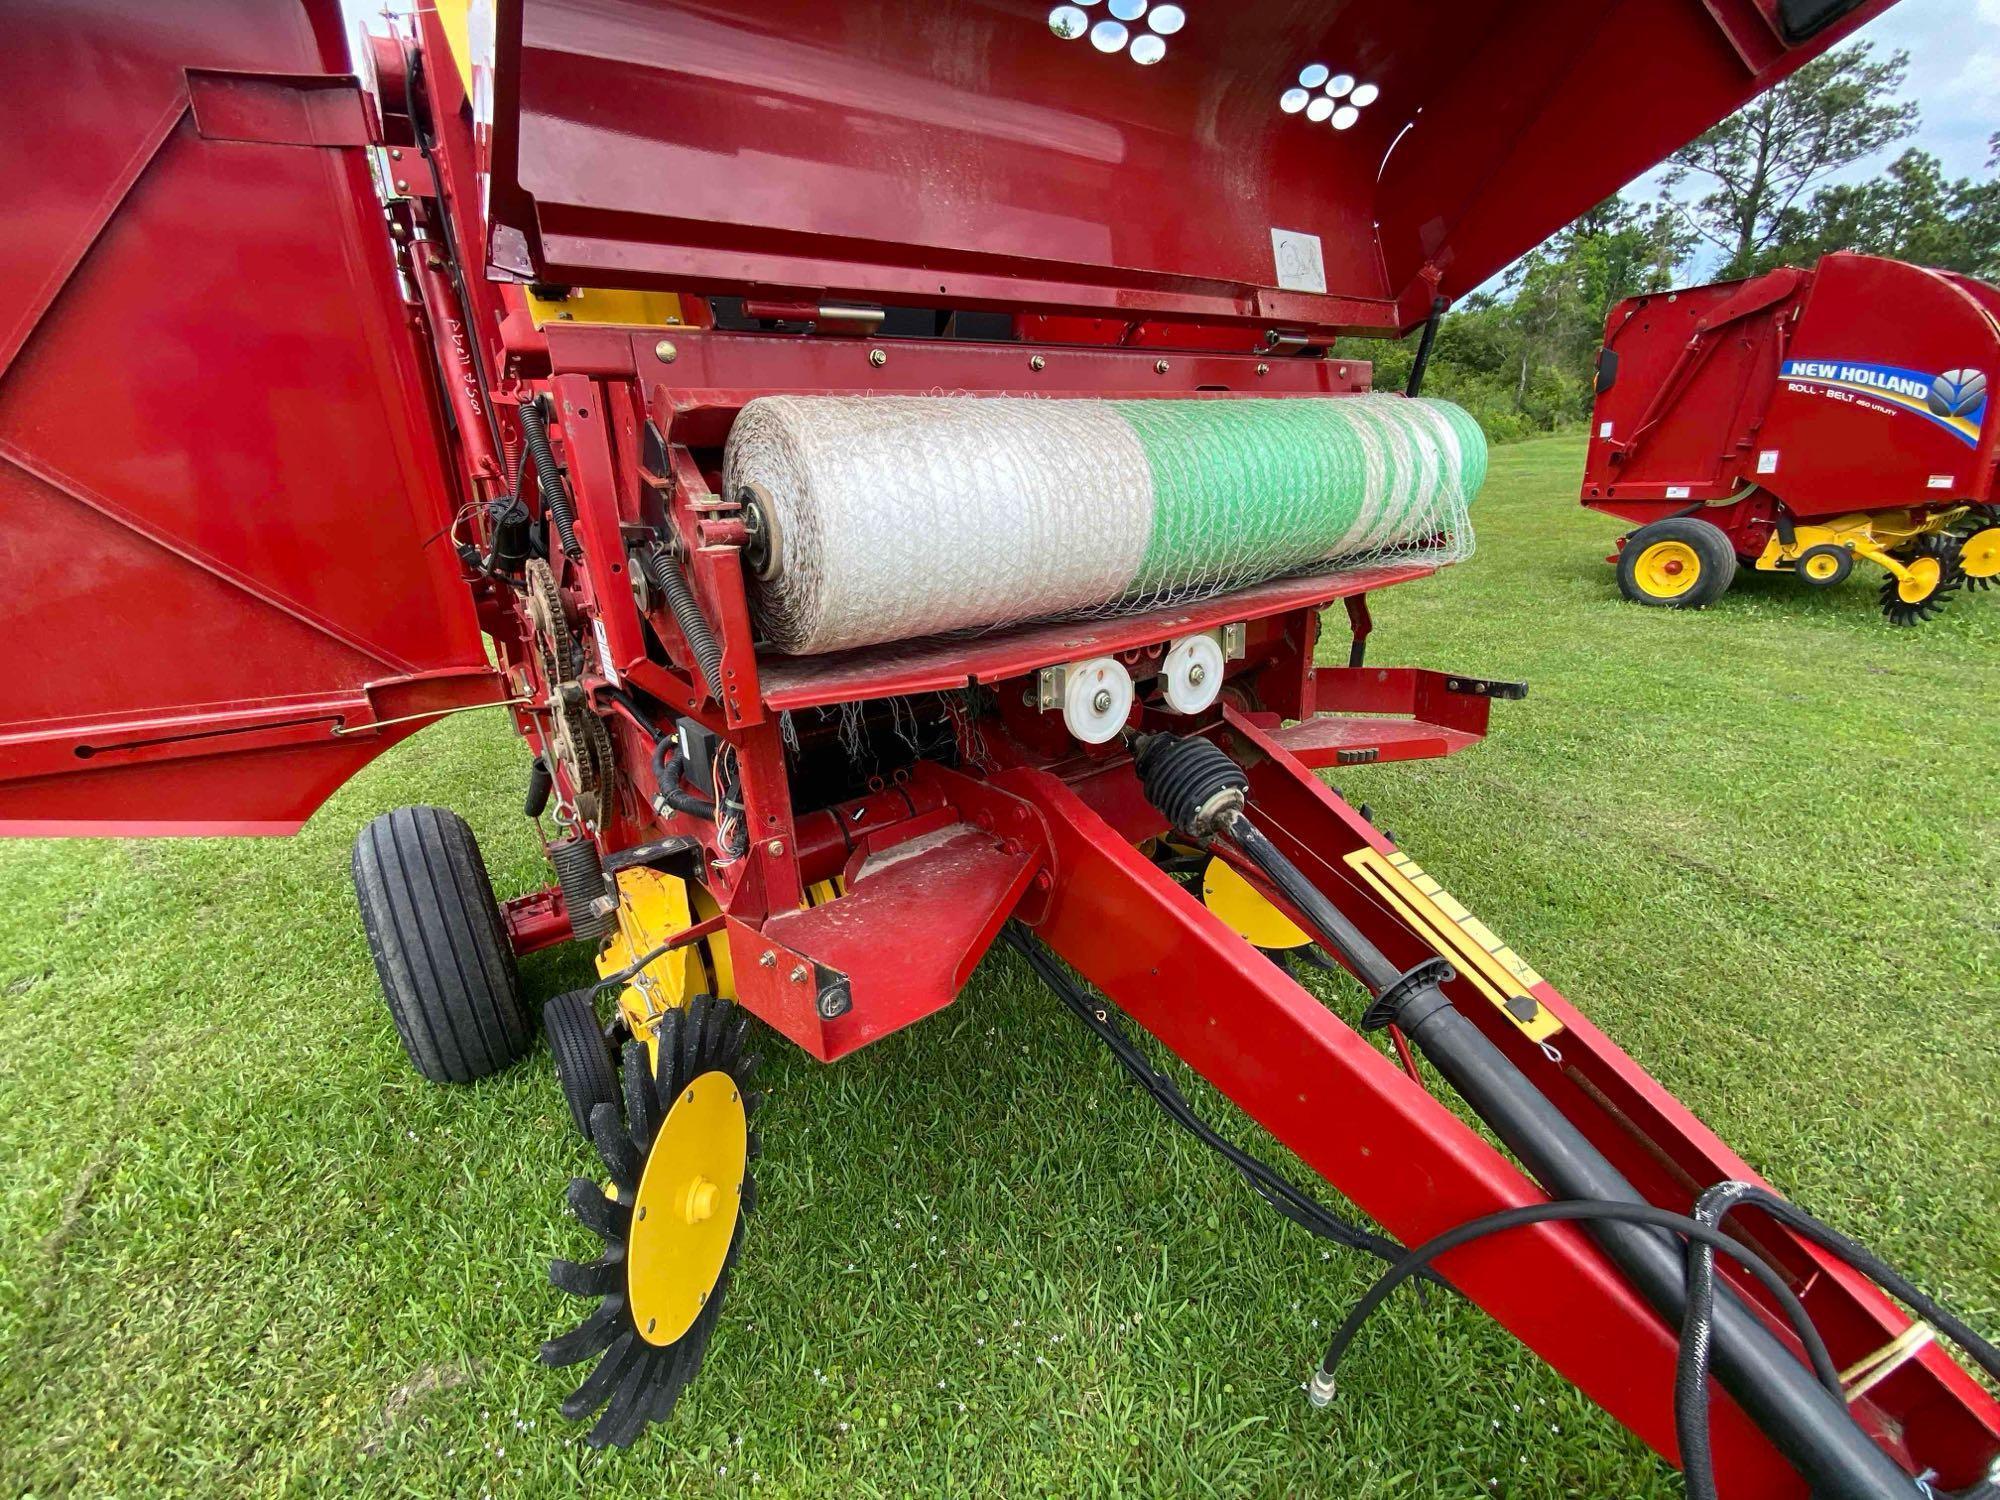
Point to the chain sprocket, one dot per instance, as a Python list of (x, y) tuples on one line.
[(577, 737)]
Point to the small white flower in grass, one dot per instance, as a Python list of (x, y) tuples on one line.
[(940, 1385)]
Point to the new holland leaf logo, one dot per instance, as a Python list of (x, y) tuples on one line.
[(1956, 392)]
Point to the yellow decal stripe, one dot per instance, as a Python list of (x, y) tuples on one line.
[(1435, 915)]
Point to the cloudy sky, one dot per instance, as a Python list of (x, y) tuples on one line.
[(1954, 48)]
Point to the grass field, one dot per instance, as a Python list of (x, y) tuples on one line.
[(244, 1249)]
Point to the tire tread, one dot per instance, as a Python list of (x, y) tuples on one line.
[(439, 944)]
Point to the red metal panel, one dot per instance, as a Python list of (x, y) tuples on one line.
[(224, 512), (1721, 390), (955, 152), (945, 663), (1841, 449), (1529, 122)]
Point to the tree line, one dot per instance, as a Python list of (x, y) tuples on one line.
[(1753, 193)]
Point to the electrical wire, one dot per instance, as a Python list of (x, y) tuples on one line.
[(1275, 1190)]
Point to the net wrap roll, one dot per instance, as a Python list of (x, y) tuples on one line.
[(892, 517)]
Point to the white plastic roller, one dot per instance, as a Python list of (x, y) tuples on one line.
[(1191, 674), (1097, 698)]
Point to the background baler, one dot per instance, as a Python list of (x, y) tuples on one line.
[(611, 339), (1796, 422)]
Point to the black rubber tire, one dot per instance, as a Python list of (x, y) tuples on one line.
[(1711, 547), (584, 1065), (440, 947)]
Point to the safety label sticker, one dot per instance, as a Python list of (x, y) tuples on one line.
[(1301, 268)]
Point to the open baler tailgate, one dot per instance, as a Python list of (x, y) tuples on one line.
[(956, 153), (223, 501)]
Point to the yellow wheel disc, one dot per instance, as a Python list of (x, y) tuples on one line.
[(1822, 567), (689, 1198), (1254, 919), (1666, 570), (1925, 573), (1979, 554)]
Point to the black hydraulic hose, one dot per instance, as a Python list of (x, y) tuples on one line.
[(668, 763), (1691, 1373), (665, 575), (1415, 384), (555, 496), (1811, 1426), (1416, 1261), (1276, 1191)]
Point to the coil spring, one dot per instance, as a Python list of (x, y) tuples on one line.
[(555, 498), (581, 875), (665, 575)]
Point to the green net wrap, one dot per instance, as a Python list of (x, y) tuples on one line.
[(893, 517)]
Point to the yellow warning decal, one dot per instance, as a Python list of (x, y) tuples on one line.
[(1435, 915)]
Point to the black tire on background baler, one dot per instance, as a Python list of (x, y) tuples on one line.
[(1706, 541), (440, 947)]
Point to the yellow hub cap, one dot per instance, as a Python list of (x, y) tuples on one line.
[(1666, 570), (1920, 580), (1979, 554), (689, 1197), (1822, 567)]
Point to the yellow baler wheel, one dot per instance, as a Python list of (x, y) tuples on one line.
[(1667, 570)]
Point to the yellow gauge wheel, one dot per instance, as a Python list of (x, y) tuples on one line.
[(1821, 568), (1667, 570), (1979, 554), (686, 1209), (670, 1220), (1243, 909), (1920, 580)]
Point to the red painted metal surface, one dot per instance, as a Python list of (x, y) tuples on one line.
[(956, 153), (240, 543), (536, 920), (945, 664), (1809, 390), (221, 502)]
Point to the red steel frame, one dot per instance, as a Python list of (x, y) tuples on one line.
[(1028, 824)]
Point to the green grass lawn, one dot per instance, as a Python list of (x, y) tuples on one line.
[(244, 1249)]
